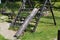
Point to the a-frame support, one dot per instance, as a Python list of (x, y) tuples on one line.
[(29, 18), (3, 11), (42, 9), (23, 7)]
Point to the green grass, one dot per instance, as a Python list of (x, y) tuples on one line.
[(2, 38), (46, 30)]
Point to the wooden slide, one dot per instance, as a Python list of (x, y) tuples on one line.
[(26, 22)]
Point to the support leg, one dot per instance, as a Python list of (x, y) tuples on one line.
[(37, 21), (40, 15), (52, 14), (29, 1)]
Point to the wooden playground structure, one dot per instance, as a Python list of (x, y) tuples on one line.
[(33, 13)]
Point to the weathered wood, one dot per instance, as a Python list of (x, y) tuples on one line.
[(0, 1), (29, 18), (25, 24)]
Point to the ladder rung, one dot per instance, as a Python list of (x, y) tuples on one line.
[(18, 23), (4, 13), (21, 20), (25, 12), (28, 9)]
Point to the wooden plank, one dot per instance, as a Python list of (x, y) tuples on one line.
[(27, 20)]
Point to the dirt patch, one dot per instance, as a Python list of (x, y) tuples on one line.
[(4, 31)]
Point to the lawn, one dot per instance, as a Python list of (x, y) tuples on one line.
[(46, 30), (2, 38)]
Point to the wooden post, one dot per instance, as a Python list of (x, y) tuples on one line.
[(0, 1)]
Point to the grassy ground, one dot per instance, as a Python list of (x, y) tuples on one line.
[(2, 38), (46, 30)]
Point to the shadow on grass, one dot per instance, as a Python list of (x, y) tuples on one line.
[(50, 17), (57, 8), (46, 22)]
